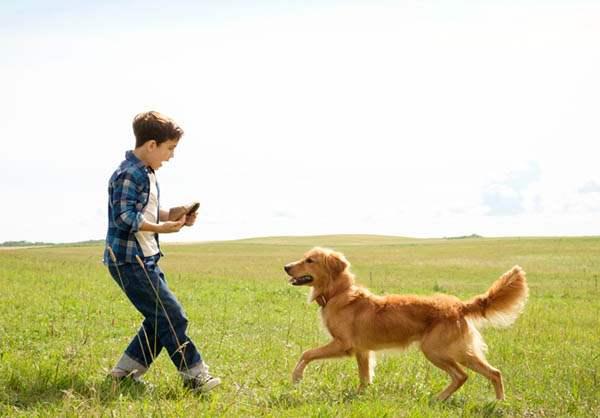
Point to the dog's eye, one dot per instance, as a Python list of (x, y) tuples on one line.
[(309, 260)]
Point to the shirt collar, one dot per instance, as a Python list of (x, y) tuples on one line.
[(131, 157)]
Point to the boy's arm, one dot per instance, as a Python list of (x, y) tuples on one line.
[(165, 227), (123, 199), (127, 217)]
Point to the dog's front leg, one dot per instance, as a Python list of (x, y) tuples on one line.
[(335, 348), (366, 368)]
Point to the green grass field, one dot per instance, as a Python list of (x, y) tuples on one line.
[(64, 322)]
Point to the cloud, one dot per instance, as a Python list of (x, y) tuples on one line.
[(590, 187), (503, 200), (508, 196), (283, 214)]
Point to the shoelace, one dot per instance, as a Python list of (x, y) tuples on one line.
[(203, 379)]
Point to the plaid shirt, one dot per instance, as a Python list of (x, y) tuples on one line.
[(128, 193)]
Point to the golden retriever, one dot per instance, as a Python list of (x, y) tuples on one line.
[(444, 326)]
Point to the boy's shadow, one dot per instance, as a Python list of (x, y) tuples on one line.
[(28, 393)]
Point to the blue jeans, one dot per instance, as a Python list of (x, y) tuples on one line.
[(164, 323)]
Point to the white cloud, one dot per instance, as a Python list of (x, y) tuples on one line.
[(590, 187), (508, 196)]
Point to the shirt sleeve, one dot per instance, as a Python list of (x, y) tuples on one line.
[(125, 200)]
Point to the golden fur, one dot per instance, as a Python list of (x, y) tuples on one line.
[(444, 326)]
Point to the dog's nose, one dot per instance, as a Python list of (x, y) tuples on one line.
[(287, 268)]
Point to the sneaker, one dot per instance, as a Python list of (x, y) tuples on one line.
[(202, 383)]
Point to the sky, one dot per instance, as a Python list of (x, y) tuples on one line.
[(410, 118)]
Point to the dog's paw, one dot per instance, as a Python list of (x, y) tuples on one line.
[(296, 378)]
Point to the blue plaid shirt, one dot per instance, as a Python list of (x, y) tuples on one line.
[(128, 193)]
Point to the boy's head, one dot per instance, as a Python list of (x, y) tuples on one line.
[(156, 137), (153, 126)]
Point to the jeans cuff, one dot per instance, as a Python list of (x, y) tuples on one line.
[(128, 366), (194, 371)]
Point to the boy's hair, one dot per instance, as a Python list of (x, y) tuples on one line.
[(152, 125)]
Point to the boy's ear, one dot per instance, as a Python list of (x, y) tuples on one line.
[(336, 263), (151, 145)]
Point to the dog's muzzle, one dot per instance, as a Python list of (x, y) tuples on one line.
[(299, 281)]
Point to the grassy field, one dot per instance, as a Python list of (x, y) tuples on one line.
[(64, 322)]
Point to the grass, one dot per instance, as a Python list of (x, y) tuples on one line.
[(64, 322)]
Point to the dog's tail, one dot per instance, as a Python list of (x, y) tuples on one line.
[(502, 303)]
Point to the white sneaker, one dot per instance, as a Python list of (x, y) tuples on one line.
[(199, 379), (202, 383)]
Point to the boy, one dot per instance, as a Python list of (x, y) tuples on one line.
[(134, 222)]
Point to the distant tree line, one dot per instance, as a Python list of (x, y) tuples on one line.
[(23, 243), (34, 244), (465, 236)]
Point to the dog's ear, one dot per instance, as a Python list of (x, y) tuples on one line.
[(336, 263)]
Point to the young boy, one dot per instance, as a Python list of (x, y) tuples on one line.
[(134, 221)]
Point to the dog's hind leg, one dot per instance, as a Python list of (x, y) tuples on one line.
[(457, 374), (366, 368), (335, 348), (474, 358), (481, 366), (441, 346)]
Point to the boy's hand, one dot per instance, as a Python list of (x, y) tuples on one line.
[(190, 219), (172, 226)]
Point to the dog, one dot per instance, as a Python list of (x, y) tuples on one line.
[(445, 327)]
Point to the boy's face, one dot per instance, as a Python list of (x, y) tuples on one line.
[(159, 153)]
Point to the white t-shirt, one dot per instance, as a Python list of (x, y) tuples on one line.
[(147, 239)]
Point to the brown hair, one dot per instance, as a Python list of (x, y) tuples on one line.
[(152, 125)]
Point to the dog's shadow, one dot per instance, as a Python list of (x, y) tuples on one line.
[(457, 403), (296, 396)]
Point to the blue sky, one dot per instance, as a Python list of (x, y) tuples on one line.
[(422, 119)]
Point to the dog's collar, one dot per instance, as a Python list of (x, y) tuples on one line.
[(321, 300)]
